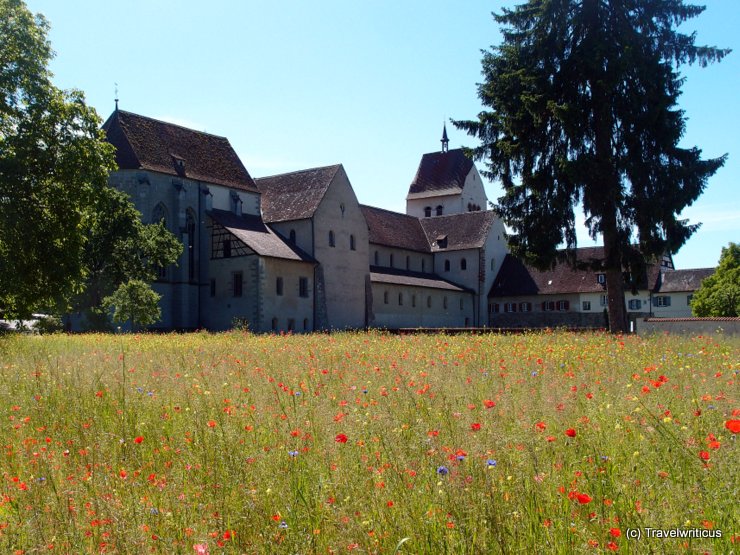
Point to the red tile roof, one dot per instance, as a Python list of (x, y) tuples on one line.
[(468, 230), (515, 278), (440, 173), (149, 144), (252, 231), (296, 195), (393, 229), (676, 281), (395, 276)]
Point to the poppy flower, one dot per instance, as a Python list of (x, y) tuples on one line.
[(733, 426), (583, 498), (570, 432), (611, 546), (475, 426), (489, 404), (211, 423), (340, 438), (704, 455), (615, 532), (138, 439)]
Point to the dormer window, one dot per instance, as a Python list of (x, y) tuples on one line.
[(428, 212), (236, 203), (179, 164), (442, 241), (601, 278)]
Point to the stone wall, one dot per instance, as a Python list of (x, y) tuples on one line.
[(689, 326)]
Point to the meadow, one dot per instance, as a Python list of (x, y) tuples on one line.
[(369, 443)]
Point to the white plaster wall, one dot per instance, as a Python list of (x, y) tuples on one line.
[(222, 199), (680, 308), (344, 270), (221, 309), (473, 191), (399, 258), (451, 204), (289, 305), (393, 315), (303, 235)]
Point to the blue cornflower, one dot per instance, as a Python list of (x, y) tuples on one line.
[(283, 525), (293, 453), (442, 470), (491, 462)]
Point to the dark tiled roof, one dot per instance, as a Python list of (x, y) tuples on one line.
[(418, 279), (393, 229), (463, 231), (253, 232), (440, 173), (149, 144), (294, 196), (673, 281), (515, 278)]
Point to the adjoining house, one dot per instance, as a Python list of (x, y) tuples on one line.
[(297, 252), (524, 297)]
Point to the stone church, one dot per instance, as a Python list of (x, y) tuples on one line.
[(297, 252)]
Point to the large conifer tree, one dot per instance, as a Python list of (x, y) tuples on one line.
[(583, 109)]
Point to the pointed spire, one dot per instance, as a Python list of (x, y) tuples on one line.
[(445, 140), (116, 97)]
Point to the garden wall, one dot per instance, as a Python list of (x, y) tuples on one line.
[(689, 326)]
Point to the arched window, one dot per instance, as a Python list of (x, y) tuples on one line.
[(463, 264), (292, 236), (332, 242), (447, 265), (439, 210), (190, 231), (352, 245), (427, 211)]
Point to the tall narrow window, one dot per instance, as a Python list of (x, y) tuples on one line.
[(385, 297), (463, 264), (447, 265), (413, 300), (439, 210), (227, 248), (400, 299), (427, 211), (423, 265), (213, 287), (408, 262), (391, 260), (292, 236), (332, 241), (444, 302), (376, 259), (279, 287), (303, 287), (352, 245), (238, 282), (429, 301)]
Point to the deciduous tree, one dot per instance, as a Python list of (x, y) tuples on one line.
[(719, 294), (582, 98), (53, 162)]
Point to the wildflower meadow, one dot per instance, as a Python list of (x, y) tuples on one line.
[(369, 442)]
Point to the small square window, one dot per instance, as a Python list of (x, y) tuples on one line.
[(586, 305)]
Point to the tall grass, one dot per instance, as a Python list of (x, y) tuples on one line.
[(237, 443)]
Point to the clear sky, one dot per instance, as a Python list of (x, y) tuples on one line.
[(296, 84)]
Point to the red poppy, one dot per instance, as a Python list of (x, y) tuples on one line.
[(615, 532), (489, 404), (540, 426), (340, 438), (733, 426), (704, 455), (475, 426), (211, 423), (611, 546), (570, 432), (138, 439), (583, 498)]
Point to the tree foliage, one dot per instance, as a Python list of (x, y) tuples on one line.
[(583, 109), (120, 248), (54, 161), (134, 302), (719, 294)]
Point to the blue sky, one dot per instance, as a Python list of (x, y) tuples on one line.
[(296, 84)]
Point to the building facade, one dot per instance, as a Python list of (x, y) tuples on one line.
[(297, 252)]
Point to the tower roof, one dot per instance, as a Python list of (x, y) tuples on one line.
[(440, 173)]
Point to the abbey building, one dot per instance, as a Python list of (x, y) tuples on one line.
[(298, 252)]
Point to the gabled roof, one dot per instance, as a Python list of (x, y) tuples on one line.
[(395, 276), (515, 278), (676, 281), (468, 230), (296, 195), (440, 173), (149, 144), (253, 232), (393, 229)]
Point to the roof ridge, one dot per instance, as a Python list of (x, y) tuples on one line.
[(295, 172), (388, 211), (172, 124)]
